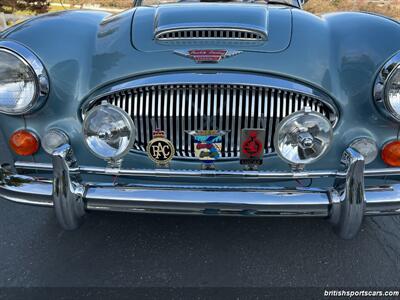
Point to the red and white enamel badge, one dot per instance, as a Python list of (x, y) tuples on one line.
[(207, 55), (252, 146)]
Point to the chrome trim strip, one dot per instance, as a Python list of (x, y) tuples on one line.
[(207, 173), (150, 199), (241, 201), (26, 190), (374, 197), (380, 85), (255, 203), (34, 63)]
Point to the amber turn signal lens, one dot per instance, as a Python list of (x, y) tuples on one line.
[(24, 143), (391, 154)]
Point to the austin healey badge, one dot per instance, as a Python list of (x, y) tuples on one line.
[(252, 146), (208, 145), (160, 150), (202, 56)]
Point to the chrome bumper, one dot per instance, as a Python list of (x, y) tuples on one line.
[(344, 205)]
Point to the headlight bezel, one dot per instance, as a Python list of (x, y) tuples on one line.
[(380, 93), (33, 63)]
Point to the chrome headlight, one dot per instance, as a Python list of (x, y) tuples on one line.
[(23, 81), (387, 88), (392, 93), (303, 137), (109, 132)]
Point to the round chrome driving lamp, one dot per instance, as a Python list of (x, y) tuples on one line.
[(109, 132), (303, 137)]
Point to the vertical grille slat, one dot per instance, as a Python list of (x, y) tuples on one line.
[(190, 119), (208, 115), (140, 117), (247, 104), (153, 117), (253, 108), (129, 102), (215, 103), (118, 101), (170, 118), (177, 122), (227, 119), (202, 108), (270, 117), (159, 113), (123, 102), (184, 117), (178, 108), (236, 121), (165, 108), (146, 116), (259, 110), (221, 115)]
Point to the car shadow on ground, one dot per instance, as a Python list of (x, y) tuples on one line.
[(230, 251)]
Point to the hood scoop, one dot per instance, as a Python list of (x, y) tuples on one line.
[(210, 33), (211, 22), (216, 26)]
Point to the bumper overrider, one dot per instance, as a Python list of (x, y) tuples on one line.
[(344, 205)]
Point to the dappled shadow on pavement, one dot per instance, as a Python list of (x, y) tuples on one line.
[(119, 249)]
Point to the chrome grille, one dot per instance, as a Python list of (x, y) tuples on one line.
[(211, 33), (178, 108)]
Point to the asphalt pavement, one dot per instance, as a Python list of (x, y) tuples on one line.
[(131, 250)]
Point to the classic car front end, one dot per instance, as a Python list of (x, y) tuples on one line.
[(243, 109)]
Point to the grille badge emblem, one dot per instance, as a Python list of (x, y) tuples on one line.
[(160, 150), (202, 56), (252, 147), (208, 145)]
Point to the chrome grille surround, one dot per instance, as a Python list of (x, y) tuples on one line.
[(226, 101), (211, 34)]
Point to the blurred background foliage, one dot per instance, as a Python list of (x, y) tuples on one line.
[(389, 8), (36, 6)]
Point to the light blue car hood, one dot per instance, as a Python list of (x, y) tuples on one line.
[(276, 24)]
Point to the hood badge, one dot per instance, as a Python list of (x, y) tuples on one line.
[(204, 56)]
